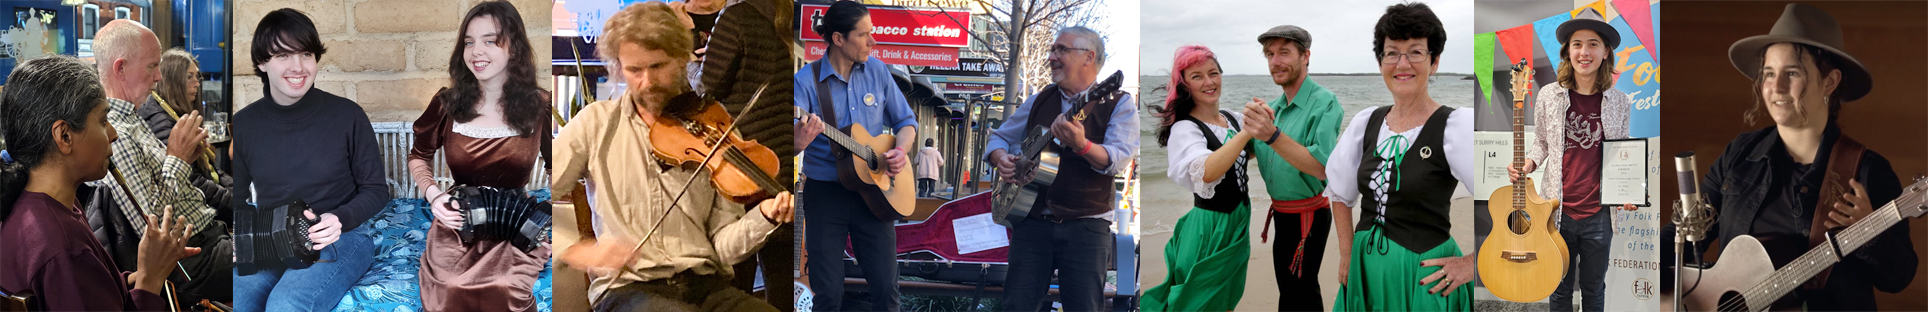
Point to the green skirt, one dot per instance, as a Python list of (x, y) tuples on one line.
[(1206, 259), (1390, 281)]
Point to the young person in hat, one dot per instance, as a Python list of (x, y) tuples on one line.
[(1774, 183), (1575, 116)]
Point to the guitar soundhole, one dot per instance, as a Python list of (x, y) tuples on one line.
[(1733, 302), (1519, 222)]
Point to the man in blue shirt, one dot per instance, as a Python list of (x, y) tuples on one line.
[(861, 91), (1068, 230)]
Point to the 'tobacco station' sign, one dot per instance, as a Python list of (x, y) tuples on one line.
[(899, 26)]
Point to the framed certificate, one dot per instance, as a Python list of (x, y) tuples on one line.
[(1623, 176)]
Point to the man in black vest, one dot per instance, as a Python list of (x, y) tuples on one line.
[(1069, 228)]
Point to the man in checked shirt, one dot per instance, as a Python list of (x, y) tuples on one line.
[(158, 174)]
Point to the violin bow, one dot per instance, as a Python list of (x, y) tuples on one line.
[(166, 286), (729, 130)]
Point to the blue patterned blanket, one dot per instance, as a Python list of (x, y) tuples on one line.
[(399, 234)]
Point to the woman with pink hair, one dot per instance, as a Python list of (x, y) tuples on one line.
[(1208, 253)]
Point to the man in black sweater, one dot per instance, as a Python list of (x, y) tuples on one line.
[(303, 144)]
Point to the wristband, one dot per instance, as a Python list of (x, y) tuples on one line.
[(1275, 137), (1086, 149)]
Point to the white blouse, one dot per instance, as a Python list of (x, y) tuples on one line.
[(1342, 168), (1186, 153)]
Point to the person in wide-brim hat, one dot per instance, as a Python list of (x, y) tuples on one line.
[(1589, 19), (1790, 183), (1810, 26)]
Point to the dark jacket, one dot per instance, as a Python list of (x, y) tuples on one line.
[(1749, 179), (746, 51), (157, 119)]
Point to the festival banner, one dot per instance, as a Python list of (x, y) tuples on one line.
[(1483, 45), (1640, 18), (1639, 77)]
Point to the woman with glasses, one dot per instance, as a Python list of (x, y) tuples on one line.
[(1399, 165)]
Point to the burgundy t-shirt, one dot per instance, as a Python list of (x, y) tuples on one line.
[(48, 249), (1580, 189)]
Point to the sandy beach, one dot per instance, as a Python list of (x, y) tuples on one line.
[(1163, 201), (1162, 210)]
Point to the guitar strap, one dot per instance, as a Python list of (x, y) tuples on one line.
[(825, 108), (1844, 160)]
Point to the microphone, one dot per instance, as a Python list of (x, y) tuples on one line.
[(1692, 217)]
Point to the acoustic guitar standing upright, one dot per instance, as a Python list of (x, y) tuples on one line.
[(1524, 258)]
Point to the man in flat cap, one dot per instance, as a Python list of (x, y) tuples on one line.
[(1299, 128)]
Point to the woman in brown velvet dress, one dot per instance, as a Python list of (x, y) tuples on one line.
[(492, 128)]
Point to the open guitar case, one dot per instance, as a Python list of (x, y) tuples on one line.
[(928, 249)]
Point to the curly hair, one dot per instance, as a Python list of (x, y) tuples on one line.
[(1409, 21), (523, 105), (652, 26)]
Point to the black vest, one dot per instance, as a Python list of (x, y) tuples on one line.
[(1420, 201), (1078, 190), (1230, 193)]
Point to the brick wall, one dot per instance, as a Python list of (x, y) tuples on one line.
[(388, 55)]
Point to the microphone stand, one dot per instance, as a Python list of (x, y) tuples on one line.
[(1691, 218)]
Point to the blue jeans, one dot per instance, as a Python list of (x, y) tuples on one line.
[(316, 288), (1587, 241)]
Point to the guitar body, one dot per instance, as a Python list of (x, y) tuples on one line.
[(1011, 202), (1523, 258), (1743, 264), (890, 197), (1515, 279)]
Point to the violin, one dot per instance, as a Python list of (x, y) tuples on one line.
[(741, 169)]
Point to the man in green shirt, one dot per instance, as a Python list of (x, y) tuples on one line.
[(1300, 127)]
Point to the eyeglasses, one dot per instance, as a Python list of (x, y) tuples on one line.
[(1062, 50), (1416, 57), (302, 56)]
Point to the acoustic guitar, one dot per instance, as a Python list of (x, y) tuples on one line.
[(861, 168), (1011, 202), (1737, 283), (1524, 262)]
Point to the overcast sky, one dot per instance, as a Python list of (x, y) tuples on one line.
[(1341, 32)]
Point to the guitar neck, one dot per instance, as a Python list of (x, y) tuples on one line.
[(849, 143), (1519, 151), (1820, 258)]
